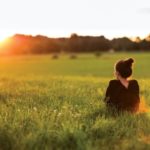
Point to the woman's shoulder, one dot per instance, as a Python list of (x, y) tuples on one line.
[(134, 86), (133, 81), (114, 82)]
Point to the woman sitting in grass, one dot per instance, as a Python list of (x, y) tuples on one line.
[(122, 93)]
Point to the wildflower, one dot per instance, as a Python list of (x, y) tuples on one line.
[(55, 110), (59, 114), (18, 110), (34, 108)]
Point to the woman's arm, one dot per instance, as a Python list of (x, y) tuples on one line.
[(108, 93)]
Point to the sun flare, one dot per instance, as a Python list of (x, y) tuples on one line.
[(3, 39)]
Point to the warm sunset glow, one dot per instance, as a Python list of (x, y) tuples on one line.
[(3, 39)]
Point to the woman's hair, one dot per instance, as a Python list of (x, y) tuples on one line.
[(124, 67)]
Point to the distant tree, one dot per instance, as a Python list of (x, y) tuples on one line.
[(137, 39), (122, 44), (144, 45), (74, 36), (148, 38)]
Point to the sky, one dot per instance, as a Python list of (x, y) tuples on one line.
[(60, 18)]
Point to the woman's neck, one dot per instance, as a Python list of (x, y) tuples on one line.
[(124, 81)]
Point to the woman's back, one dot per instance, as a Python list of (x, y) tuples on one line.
[(121, 97)]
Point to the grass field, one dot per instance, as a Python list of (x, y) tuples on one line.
[(49, 104)]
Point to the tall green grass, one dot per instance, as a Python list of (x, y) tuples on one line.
[(58, 104)]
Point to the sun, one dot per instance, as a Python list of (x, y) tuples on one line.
[(3, 38)]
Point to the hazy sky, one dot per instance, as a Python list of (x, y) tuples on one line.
[(111, 18)]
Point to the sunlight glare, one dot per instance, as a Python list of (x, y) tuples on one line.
[(3, 39)]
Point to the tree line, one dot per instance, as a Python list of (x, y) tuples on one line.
[(27, 44)]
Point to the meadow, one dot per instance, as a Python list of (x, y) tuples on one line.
[(50, 104)]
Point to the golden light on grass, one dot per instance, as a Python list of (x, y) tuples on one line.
[(145, 139), (143, 106)]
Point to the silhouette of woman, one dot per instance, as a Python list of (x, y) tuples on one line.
[(122, 93)]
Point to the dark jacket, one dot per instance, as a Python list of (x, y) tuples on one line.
[(122, 98)]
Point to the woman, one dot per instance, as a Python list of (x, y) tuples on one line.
[(122, 93)]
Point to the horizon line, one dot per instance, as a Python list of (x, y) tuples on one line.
[(67, 36)]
